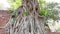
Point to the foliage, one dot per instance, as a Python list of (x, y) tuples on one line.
[(46, 9), (43, 12), (41, 1), (15, 4), (52, 11), (42, 5)]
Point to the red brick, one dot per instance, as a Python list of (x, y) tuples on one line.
[(2, 31), (4, 17)]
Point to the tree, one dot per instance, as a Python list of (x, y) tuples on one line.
[(28, 21), (28, 16)]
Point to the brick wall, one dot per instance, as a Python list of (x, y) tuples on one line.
[(4, 17), (2, 31)]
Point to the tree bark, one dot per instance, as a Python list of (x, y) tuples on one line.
[(31, 24)]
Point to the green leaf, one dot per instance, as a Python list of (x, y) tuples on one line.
[(43, 12), (41, 1)]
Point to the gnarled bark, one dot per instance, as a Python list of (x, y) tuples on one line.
[(31, 24)]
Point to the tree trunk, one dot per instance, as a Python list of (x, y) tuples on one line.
[(31, 24)]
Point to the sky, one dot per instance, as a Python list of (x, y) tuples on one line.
[(6, 5)]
